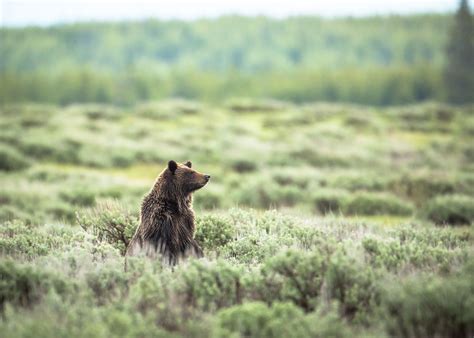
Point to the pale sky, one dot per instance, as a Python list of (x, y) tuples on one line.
[(47, 12)]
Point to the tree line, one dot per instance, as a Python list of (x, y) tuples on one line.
[(377, 60)]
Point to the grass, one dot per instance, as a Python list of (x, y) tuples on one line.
[(320, 220)]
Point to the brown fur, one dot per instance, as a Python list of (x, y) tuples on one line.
[(166, 228)]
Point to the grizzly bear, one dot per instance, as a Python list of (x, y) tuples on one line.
[(166, 229)]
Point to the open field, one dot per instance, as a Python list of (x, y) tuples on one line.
[(320, 220)]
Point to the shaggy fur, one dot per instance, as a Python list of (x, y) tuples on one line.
[(166, 228)]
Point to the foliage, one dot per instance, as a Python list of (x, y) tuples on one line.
[(254, 319), (459, 70), (18, 239), (343, 249), (355, 287), (450, 209), (329, 201), (214, 231), (299, 59), (110, 223), (24, 285), (316, 281), (376, 204), (11, 159), (431, 306)]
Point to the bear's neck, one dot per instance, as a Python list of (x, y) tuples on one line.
[(172, 198)]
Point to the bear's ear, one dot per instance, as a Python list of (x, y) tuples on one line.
[(172, 166), (188, 164)]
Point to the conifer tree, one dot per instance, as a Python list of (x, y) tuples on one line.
[(459, 69)]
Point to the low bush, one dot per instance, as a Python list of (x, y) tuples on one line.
[(111, 223), (293, 276), (419, 187), (354, 286), (44, 148), (450, 209), (255, 319), (264, 193), (376, 204), (81, 196), (243, 165), (21, 240), (435, 252), (107, 284), (431, 307), (253, 247), (209, 198), (356, 180), (11, 159), (253, 105), (327, 201), (210, 285), (24, 285), (213, 231)]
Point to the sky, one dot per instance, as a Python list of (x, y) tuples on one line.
[(48, 12)]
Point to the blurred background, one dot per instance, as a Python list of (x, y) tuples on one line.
[(123, 52), (359, 107)]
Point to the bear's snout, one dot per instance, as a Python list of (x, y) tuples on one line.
[(207, 177)]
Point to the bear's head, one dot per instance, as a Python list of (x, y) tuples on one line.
[(185, 178)]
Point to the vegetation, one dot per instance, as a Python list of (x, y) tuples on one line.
[(377, 60), (320, 220), (459, 72)]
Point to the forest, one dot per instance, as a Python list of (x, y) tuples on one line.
[(377, 60)]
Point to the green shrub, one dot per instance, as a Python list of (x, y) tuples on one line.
[(357, 180), (80, 196), (450, 209), (123, 158), (294, 276), (21, 240), (62, 211), (422, 186), (376, 204), (320, 157), (329, 201), (253, 105), (301, 177), (209, 198), (431, 307), (11, 159), (255, 319), (26, 202), (111, 223), (107, 284), (264, 193), (79, 319), (435, 251), (210, 285), (253, 248), (213, 231), (243, 165), (24, 285), (44, 148), (11, 213), (353, 285)]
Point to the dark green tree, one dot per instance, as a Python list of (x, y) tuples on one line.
[(459, 71)]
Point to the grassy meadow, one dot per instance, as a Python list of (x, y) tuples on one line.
[(321, 220)]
